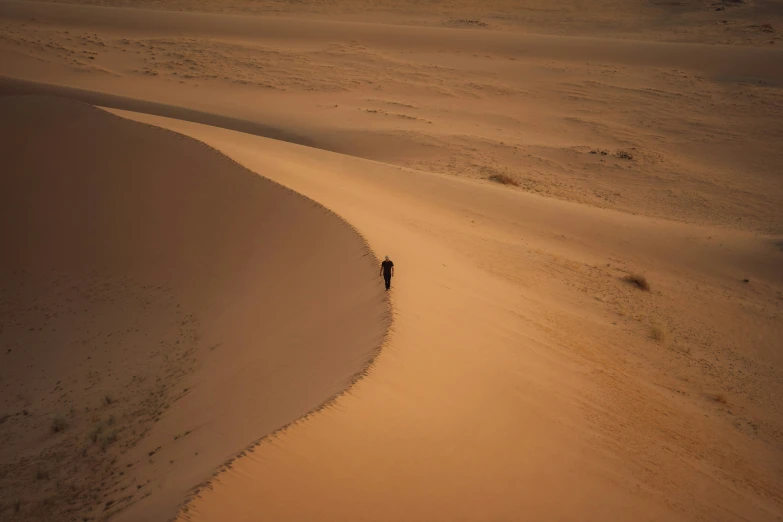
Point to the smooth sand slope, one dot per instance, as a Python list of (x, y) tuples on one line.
[(523, 378), (162, 308)]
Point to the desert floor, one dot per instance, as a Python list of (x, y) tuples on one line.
[(174, 300)]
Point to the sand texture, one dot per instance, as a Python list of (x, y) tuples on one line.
[(162, 309), (583, 202)]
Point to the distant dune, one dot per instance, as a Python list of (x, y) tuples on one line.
[(743, 22), (555, 113), (161, 309)]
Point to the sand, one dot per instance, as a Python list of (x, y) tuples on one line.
[(682, 125), (523, 377), (164, 305)]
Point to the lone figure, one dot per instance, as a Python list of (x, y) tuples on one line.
[(387, 271)]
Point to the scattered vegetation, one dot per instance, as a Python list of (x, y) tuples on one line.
[(17, 505), (469, 23), (108, 399), (721, 398), (503, 179), (624, 154), (638, 280), (96, 432), (108, 440), (182, 435), (59, 424)]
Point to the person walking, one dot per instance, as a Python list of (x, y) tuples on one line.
[(387, 271)]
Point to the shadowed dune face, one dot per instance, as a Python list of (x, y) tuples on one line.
[(153, 293)]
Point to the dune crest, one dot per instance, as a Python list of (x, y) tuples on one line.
[(525, 378), (162, 309)]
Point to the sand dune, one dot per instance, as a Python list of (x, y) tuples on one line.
[(714, 21), (517, 173), (697, 123), (523, 378), (164, 305)]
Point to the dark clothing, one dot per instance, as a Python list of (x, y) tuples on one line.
[(387, 266)]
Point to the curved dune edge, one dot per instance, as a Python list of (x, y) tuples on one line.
[(503, 392), (186, 307)]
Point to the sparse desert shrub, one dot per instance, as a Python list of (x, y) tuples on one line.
[(657, 333), (59, 424), (96, 432), (472, 23), (624, 154), (639, 281), (503, 179), (17, 505), (108, 399), (108, 440), (721, 398)]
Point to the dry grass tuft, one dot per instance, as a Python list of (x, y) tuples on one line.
[(719, 397), (59, 424), (108, 440), (503, 179), (96, 432), (639, 281)]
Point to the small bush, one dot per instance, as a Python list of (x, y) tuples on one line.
[(59, 424), (624, 154), (639, 281), (503, 179), (657, 333), (719, 397), (477, 23), (108, 399), (108, 440), (17, 505), (96, 432)]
